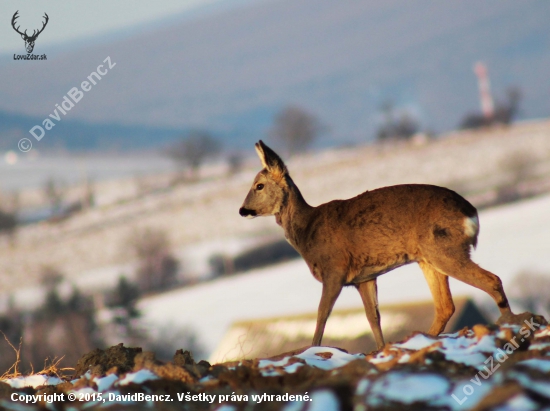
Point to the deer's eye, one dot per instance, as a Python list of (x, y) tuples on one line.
[(259, 187)]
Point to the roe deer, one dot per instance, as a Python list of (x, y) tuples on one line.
[(352, 242)]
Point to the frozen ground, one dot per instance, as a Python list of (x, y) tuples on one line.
[(500, 368)]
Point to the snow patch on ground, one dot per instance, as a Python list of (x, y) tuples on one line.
[(418, 342), (325, 358), (408, 387), (138, 377), (105, 383), (33, 381)]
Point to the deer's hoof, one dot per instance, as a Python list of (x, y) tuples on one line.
[(524, 319)]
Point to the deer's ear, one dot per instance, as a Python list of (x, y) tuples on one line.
[(270, 160), (261, 154)]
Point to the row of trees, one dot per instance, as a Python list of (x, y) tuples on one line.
[(294, 128)]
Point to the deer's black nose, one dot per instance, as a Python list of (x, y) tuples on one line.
[(246, 212)]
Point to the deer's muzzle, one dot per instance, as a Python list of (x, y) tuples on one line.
[(246, 212)]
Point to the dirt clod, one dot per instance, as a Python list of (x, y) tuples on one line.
[(169, 371), (98, 361), (5, 390), (184, 359)]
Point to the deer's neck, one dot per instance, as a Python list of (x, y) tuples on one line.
[(294, 214)]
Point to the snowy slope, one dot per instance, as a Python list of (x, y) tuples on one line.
[(513, 238), (94, 242)]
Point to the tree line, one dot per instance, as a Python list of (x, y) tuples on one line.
[(294, 128)]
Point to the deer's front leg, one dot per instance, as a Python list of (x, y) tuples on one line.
[(369, 295), (331, 291)]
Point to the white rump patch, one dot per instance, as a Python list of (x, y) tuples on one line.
[(471, 226)]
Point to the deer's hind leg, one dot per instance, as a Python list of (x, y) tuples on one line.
[(441, 293), (369, 294), (458, 265)]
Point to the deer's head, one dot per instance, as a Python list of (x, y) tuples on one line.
[(29, 40), (270, 187)]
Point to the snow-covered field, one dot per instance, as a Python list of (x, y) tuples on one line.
[(513, 238), (94, 243)]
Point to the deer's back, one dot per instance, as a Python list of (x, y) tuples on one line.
[(384, 225)]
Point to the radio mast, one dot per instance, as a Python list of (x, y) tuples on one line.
[(485, 97)]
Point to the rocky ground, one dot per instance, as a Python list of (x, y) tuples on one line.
[(484, 368)]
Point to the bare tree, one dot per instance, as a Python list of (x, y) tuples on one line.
[(9, 215), (192, 151), (157, 267), (396, 126), (235, 162), (89, 198), (505, 112), (54, 193), (8, 225), (122, 302), (508, 109), (296, 129)]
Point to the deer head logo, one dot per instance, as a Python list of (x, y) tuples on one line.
[(29, 40)]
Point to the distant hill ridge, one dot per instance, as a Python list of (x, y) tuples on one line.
[(231, 71), (78, 135)]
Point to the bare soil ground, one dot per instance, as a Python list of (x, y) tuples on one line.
[(483, 368)]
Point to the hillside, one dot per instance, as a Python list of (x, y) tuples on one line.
[(231, 71), (93, 244), (483, 368)]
